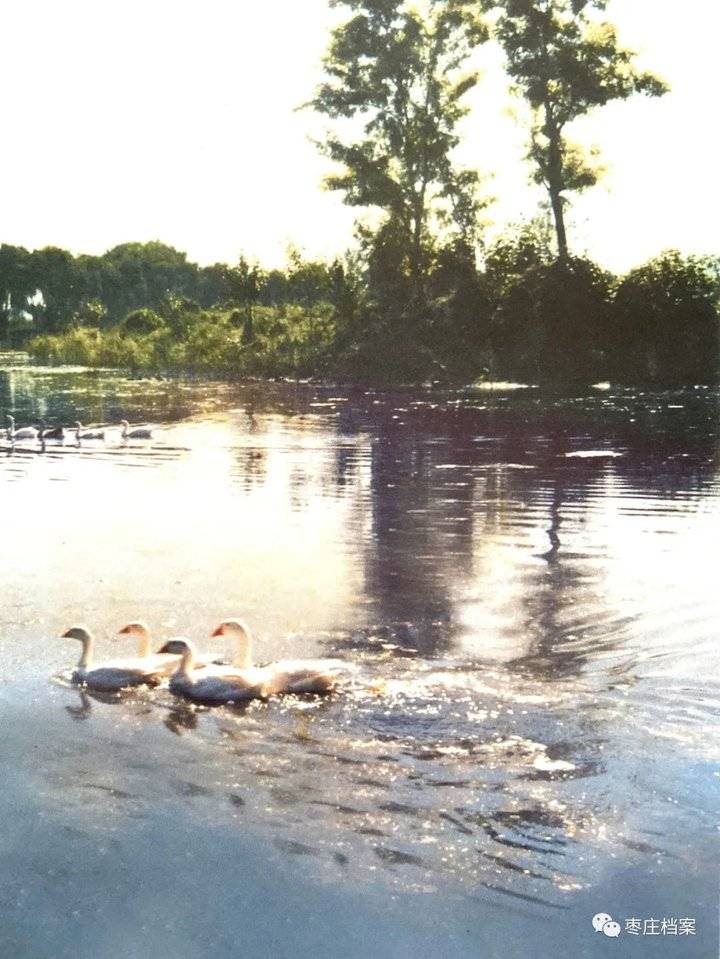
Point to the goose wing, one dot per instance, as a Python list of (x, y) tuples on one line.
[(110, 678), (299, 679), (221, 687)]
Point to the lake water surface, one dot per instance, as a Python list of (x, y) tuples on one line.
[(528, 584)]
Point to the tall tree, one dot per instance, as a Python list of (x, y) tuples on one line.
[(397, 71), (17, 282), (61, 284), (565, 62)]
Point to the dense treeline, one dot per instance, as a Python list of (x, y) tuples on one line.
[(423, 295), (55, 290), (521, 314)]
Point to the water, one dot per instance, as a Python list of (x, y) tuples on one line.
[(528, 585)]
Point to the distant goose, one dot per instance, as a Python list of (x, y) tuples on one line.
[(111, 676), (285, 675), (24, 433), (52, 432), (167, 658), (135, 432), (89, 433), (214, 685)]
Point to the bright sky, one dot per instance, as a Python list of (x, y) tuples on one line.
[(175, 120)]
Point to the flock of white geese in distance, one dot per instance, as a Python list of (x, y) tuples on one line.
[(59, 434), (196, 676)]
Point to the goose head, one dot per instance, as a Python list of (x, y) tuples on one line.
[(141, 632), (241, 635), (176, 647), (81, 633)]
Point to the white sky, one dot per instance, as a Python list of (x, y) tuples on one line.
[(175, 120)]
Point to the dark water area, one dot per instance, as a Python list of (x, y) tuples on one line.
[(528, 585)]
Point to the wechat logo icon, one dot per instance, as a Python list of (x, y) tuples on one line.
[(603, 922)]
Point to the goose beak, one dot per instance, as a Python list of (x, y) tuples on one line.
[(218, 632)]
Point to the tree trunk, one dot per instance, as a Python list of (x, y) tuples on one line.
[(559, 217), (555, 180), (416, 260)]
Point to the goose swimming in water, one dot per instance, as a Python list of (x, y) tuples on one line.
[(110, 676), (286, 675), (135, 432), (24, 433), (89, 433), (167, 658), (51, 432), (214, 685)]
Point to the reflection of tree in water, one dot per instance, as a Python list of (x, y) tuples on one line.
[(567, 611), (250, 469), (421, 544), (93, 396)]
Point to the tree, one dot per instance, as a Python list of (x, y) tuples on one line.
[(17, 282), (565, 63), (142, 321), (667, 321), (61, 285), (143, 274), (245, 282), (398, 70), (90, 313)]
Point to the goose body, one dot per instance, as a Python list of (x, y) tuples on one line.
[(167, 658), (24, 433), (135, 432), (286, 675), (89, 433), (111, 676), (52, 432), (214, 685)]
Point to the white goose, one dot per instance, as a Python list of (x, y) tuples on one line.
[(24, 433), (167, 658), (135, 432), (214, 685), (51, 432), (285, 675), (111, 676), (89, 433)]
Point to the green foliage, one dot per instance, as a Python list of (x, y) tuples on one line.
[(666, 325), (61, 287), (565, 63), (17, 282), (142, 321), (550, 324), (522, 249), (397, 71), (287, 341), (90, 313), (524, 315)]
